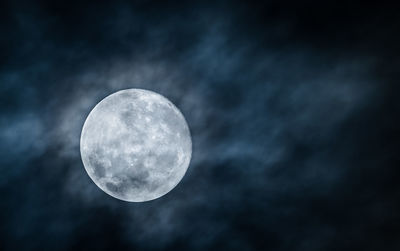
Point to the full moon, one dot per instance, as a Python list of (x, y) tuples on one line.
[(135, 145)]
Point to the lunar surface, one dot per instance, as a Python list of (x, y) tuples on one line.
[(135, 145)]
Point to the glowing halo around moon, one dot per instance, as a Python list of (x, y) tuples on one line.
[(135, 145)]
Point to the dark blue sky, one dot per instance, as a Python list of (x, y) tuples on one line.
[(293, 108)]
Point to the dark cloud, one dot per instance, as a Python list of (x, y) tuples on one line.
[(292, 108)]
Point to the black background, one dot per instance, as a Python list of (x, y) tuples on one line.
[(292, 105)]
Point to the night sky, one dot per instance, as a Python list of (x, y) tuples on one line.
[(293, 108)]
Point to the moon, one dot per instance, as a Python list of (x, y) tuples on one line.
[(135, 145)]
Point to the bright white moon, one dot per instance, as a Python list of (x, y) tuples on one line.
[(135, 145)]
